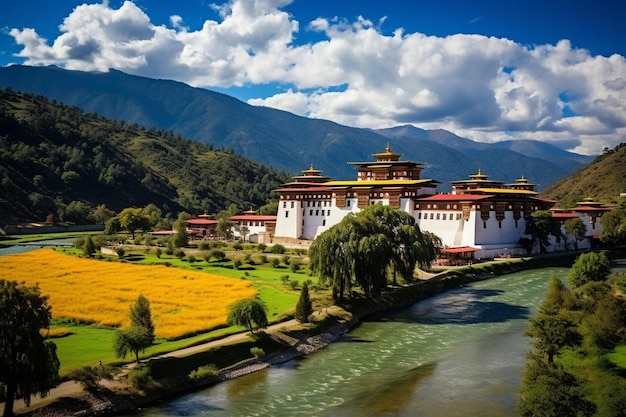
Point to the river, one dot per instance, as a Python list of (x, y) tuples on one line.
[(460, 353)]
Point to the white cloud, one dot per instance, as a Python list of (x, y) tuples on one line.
[(480, 87)]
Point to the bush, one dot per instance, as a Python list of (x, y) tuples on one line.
[(257, 352), (180, 254), (237, 246), (278, 248), (263, 259), (294, 265), (275, 262), (192, 259), (284, 278), (120, 252), (204, 373), (158, 252), (237, 263), (294, 284), (89, 377), (139, 378), (262, 247)]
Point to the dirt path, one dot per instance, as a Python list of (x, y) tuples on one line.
[(71, 388)]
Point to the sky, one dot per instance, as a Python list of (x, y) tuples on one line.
[(488, 70)]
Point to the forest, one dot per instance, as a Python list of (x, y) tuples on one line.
[(56, 159)]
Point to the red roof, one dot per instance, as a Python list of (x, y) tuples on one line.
[(302, 189), (201, 222), (253, 217), (459, 249), (563, 215), (591, 208), (454, 197)]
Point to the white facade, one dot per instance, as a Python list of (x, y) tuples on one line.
[(487, 217)]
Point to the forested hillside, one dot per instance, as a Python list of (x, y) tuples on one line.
[(604, 179), (56, 159)]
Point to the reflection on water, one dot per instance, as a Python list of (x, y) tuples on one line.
[(460, 353)]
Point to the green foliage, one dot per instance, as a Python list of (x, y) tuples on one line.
[(247, 313), (592, 266), (277, 248), (613, 227), (304, 307), (294, 265), (91, 376), (120, 252), (362, 249), (257, 352), (57, 155), (140, 378), (540, 226), (204, 373), (28, 363), (140, 335), (576, 228), (89, 248), (275, 262)]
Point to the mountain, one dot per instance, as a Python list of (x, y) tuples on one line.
[(603, 180), (58, 159), (274, 137)]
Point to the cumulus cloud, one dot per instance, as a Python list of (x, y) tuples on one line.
[(484, 88)]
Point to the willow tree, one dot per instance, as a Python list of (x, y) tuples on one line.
[(362, 249)]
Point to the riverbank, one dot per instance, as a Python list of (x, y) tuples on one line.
[(336, 322)]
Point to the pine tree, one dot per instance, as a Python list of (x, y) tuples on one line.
[(304, 308)]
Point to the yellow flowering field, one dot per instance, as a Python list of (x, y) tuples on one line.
[(182, 301)]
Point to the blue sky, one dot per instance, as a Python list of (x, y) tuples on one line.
[(551, 70)]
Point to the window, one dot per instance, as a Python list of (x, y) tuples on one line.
[(292, 204), (348, 203), (284, 204), (287, 213), (324, 222), (437, 216), (310, 212), (444, 216), (317, 212), (499, 225), (432, 216), (419, 216), (484, 225)]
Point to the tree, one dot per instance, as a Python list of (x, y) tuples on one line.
[(28, 363), (248, 312), (140, 334), (141, 316), (554, 328), (304, 307), (101, 214), (244, 231), (540, 226), (89, 248), (575, 227), (363, 248), (133, 219), (132, 340), (592, 266), (613, 227)]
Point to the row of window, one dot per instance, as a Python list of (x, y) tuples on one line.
[(439, 216)]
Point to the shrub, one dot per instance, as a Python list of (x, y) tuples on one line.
[(294, 284), (139, 378), (89, 377), (278, 248), (262, 247), (284, 278), (158, 252), (204, 373), (294, 265), (275, 262), (263, 259), (285, 259), (120, 252), (237, 263), (257, 352), (192, 259)]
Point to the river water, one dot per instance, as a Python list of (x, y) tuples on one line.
[(460, 353)]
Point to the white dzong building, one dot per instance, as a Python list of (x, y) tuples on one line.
[(480, 218)]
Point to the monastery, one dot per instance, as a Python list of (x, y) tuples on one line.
[(480, 218)]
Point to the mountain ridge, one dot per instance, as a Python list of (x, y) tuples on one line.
[(274, 137)]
